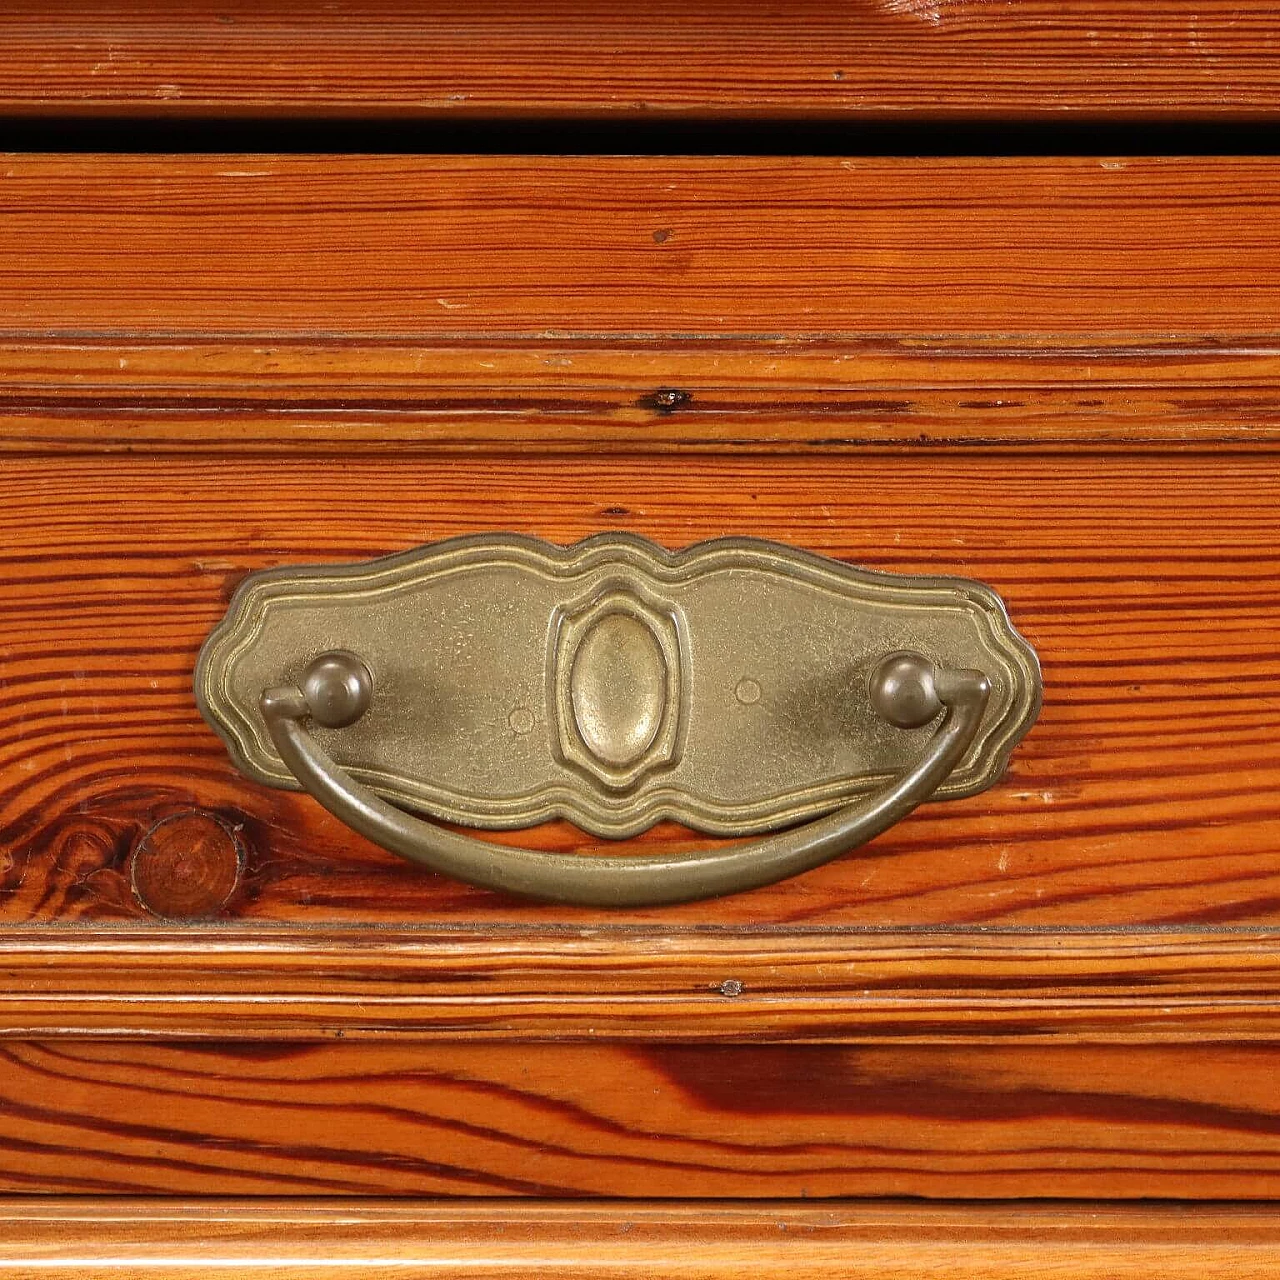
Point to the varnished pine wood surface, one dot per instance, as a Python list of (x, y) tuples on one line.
[(665, 1120), (536, 247), (1144, 795), (871, 59), (95, 1237), (466, 303), (269, 303), (342, 396), (661, 984)]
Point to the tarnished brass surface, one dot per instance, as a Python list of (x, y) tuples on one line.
[(613, 683), (906, 689)]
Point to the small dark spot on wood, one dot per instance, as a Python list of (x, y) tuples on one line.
[(662, 236), (665, 400), (615, 511), (250, 1050), (231, 581), (990, 404), (837, 75), (869, 406), (731, 987)]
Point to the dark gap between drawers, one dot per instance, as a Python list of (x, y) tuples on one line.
[(1081, 135)]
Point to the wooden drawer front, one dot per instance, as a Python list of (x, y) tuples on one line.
[(217, 365), (1058, 378), (1145, 794)]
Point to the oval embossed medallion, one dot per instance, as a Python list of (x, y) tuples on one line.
[(618, 688)]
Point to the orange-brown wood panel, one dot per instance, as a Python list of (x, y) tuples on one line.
[(782, 1121), (1145, 794), (925, 59), (89, 1237), (789, 248), (110, 394), (532, 984)]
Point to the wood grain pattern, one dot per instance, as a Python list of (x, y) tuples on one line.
[(88, 1237), (346, 395), (928, 59), (1144, 795), (626, 985), (537, 247), (811, 1121)]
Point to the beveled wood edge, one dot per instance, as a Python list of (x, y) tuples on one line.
[(925, 987), (87, 362), (107, 393), (90, 1236)]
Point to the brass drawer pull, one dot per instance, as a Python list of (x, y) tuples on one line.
[(905, 690), (735, 686)]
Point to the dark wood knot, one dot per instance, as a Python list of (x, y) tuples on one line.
[(187, 866)]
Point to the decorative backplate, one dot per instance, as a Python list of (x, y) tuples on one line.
[(615, 683)]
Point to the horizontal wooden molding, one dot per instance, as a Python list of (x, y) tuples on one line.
[(407, 370), (921, 987), (94, 1236), (106, 396), (96, 394)]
